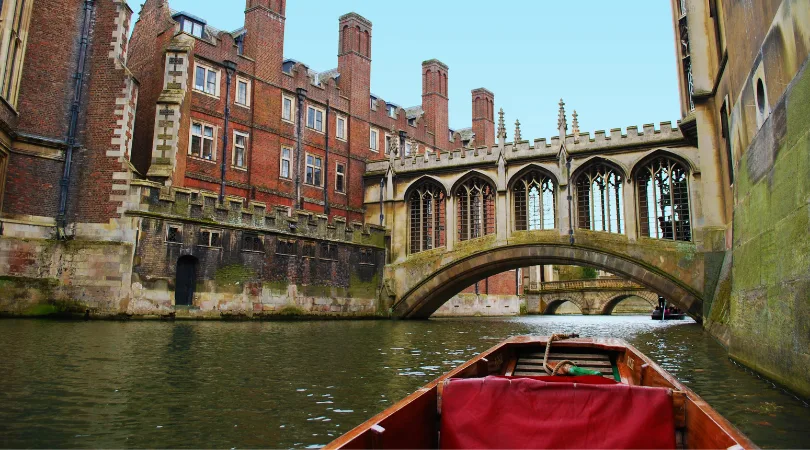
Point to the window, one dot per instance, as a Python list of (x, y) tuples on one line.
[(392, 111), (663, 200), (208, 238), (450, 135), (366, 256), (476, 209), (252, 243), (315, 118), (388, 143), (426, 203), (174, 234), (600, 200), (726, 133), (313, 175), (373, 139), (193, 28), (202, 141), (534, 200), (340, 178), (373, 103), (408, 146), (240, 44), (206, 80), (239, 149), (286, 158), (308, 250), (329, 251), (14, 25), (287, 247), (242, 92), (287, 108), (412, 122), (341, 128)]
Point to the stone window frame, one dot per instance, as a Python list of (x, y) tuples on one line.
[(366, 257), (616, 194), (319, 168), (287, 247), (290, 119), (237, 133), (252, 243), (340, 174), (316, 109), (374, 140), (15, 22), (179, 232), (542, 180), (644, 173), (247, 84), (328, 251), (213, 138), (387, 142), (282, 159), (427, 228), (308, 250), (476, 205), (211, 240), (338, 129), (208, 69)]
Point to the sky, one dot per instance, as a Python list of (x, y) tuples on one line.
[(612, 62)]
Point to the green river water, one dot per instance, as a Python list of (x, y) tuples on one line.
[(301, 384)]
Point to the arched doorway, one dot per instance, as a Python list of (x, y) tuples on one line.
[(185, 281)]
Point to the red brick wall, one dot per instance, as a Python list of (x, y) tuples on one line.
[(32, 185), (500, 284), (483, 106)]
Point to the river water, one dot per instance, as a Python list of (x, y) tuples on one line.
[(301, 384)]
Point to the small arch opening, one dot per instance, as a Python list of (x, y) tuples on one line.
[(761, 96), (562, 308)]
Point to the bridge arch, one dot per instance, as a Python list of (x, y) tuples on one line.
[(554, 305), (434, 289), (611, 305)]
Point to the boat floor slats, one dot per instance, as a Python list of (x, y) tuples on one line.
[(578, 362), (553, 354), (534, 374), (538, 369)]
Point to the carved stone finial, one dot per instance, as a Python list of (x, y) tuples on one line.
[(501, 125), (517, 131), (575, 125), (562, 124)]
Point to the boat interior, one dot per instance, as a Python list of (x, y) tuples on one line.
[(504, 398)]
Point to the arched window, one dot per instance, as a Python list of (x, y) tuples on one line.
[(600, 204), (476, 209), (426, 203), (535, 202), (663, 200)]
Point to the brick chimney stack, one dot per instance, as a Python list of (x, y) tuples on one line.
[(264, 40), (435, 101), (354, 62), (483, 116)]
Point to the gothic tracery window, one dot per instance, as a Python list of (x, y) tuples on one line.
[(476, 209), (534, 201), (663, 200), (426, 204), (600, 202)]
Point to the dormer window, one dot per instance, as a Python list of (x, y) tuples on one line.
[(450, 136), (412, 122), (240, 44), (190, 24), (392, 111)]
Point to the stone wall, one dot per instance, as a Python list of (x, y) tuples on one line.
[(469, 305)]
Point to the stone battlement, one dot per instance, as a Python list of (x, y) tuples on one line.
[(203, 207)]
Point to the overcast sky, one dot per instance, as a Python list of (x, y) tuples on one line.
[(612, 61)]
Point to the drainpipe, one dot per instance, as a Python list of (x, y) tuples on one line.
[(75, 107), (570, 201), (382, 188), (301, 95), (326, 167), (230, 68)]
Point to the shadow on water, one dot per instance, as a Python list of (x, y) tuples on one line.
[(300, 384)]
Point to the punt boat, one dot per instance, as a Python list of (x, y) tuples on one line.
[(507, 398), (668, 315)]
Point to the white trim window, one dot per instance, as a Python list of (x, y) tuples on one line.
[(243, 92), (206, 79), (286, 163), (408, 148), (387, 143), (315, 118), (287, 108), (202, 140), (240, 140), (340, 178), (340, 124), (374, 140), (174, 233), (314, 173), (209, 238)]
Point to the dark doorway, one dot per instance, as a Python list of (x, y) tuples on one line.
[(186, 281)]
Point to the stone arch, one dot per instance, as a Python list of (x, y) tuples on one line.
[(552, 306), (646, 159), (472, 174), (650, 297), (528, 168), (418, 181), (586, 163), (427, 295)]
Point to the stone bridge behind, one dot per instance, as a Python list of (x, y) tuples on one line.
[(598, 296)]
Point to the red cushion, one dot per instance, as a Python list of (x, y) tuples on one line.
[(497, 412)]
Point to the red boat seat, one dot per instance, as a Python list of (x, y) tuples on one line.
[(497, 412)]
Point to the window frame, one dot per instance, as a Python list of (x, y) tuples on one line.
[(179, 228), (256, 237), (281, 163), (202, 140), (14, 33), (386, 143), (391, 111), (211, 233), (340, 174), (338, 128), (247, 92), (317, 110), (291, 119), (307, 166), (327, 251), (237, 133), (292, 249), (376, 140), (193, 24), (305, 250), (208, 69)]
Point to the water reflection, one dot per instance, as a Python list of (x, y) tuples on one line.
[(269, 384)]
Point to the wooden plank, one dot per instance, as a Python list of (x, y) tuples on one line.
[(679, 408), (538, 369), (600, 356), (579, 362), (510, 367)]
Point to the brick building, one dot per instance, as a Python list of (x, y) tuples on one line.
[(291, 136)]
